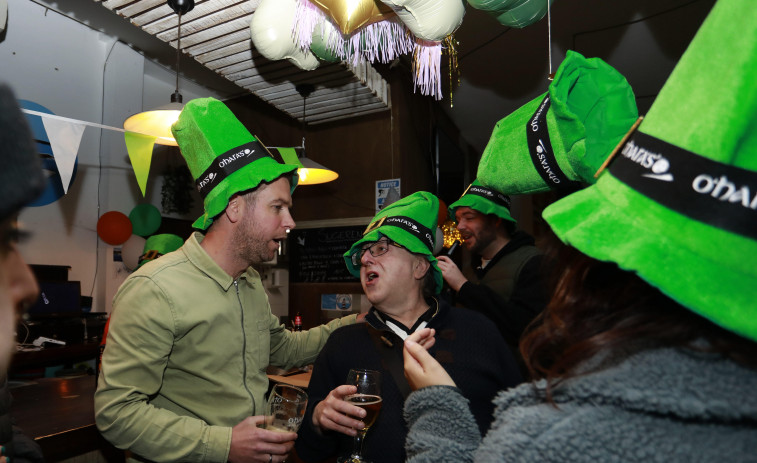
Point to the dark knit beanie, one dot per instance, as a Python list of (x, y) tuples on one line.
[(21, 178)]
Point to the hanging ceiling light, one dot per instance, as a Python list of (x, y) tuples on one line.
[(157, 122), (311, 172)]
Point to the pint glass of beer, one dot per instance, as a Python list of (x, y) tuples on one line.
[(285, 408)]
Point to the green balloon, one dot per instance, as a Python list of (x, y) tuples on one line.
[(319, 46), (145, 219), (513, 13)]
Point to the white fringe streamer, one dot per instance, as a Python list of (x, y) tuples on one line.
[(382, 41)]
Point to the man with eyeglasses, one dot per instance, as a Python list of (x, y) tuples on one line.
[(400, 277)]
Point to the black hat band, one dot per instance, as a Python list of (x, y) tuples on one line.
[(708, 191), (487, 193), (411, 226), (228, 163), (540, 149), (151, 254)]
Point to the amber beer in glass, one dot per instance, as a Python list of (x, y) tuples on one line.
[(367, 397), (370, 403), (285, 408)]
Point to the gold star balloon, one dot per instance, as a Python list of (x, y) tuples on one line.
[(350, 15)]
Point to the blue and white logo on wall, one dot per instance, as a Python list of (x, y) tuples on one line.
[(54, 189)]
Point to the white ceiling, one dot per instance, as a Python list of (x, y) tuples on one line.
[(500, 68), (216, 33)]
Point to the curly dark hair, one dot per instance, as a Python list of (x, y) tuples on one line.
[(598, 307)]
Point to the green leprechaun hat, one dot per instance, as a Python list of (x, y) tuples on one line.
[(158, 245), (410, 222), (484, 200), (562, 137), (678, 204), (223, 156)]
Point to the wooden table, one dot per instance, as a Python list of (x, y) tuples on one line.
[(59, 414), (300, 379)]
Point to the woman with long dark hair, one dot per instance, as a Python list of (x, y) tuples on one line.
[(647, 350)]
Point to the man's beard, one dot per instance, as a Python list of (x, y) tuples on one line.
[(251, 246), (482, 240)]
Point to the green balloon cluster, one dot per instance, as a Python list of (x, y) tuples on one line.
[(145, 219), (513, 13)]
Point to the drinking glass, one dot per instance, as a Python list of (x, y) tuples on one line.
[(367, 397), (286, 408)]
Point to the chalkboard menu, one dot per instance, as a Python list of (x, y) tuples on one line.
[(315, 254)]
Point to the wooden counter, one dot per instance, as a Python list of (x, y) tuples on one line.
[(64, 355), (59, 414)]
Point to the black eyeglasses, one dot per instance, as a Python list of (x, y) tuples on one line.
[(378, 248)]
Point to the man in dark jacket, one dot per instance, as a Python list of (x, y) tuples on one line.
[(400, 278), (505, 281)]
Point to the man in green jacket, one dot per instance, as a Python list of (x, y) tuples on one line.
[(191, 335)]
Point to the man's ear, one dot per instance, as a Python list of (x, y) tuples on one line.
[(420, 267), (235, 208)]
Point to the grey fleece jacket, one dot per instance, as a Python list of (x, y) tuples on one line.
[(660, 405)]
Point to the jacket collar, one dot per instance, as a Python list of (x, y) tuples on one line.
[(200, 259), (378, 319)]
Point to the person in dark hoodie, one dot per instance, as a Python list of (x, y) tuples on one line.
[(21, 181), (505, 281)]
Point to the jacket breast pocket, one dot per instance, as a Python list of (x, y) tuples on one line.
[(263, 343)]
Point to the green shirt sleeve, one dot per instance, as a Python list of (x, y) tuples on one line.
[(292, 349), (137, 350)]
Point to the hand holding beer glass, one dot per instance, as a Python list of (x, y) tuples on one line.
[(367, 397), (286, 408)]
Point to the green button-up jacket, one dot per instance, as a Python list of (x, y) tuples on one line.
[(186, 357)]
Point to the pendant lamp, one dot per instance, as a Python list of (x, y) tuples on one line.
[(310, 172), (157, 122)]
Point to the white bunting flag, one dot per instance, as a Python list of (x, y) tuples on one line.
[(65, 137)]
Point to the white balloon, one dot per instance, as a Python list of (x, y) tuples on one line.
[(271, 33), (131, 250), (429, 19), (3, 14)]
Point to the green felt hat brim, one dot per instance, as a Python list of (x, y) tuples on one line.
[(207, 129), (702, 267), (707, 107), (592, 106), (481, 205), (163, 243), (404, 239), (264, 170), (506, 165), (422, 207)]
